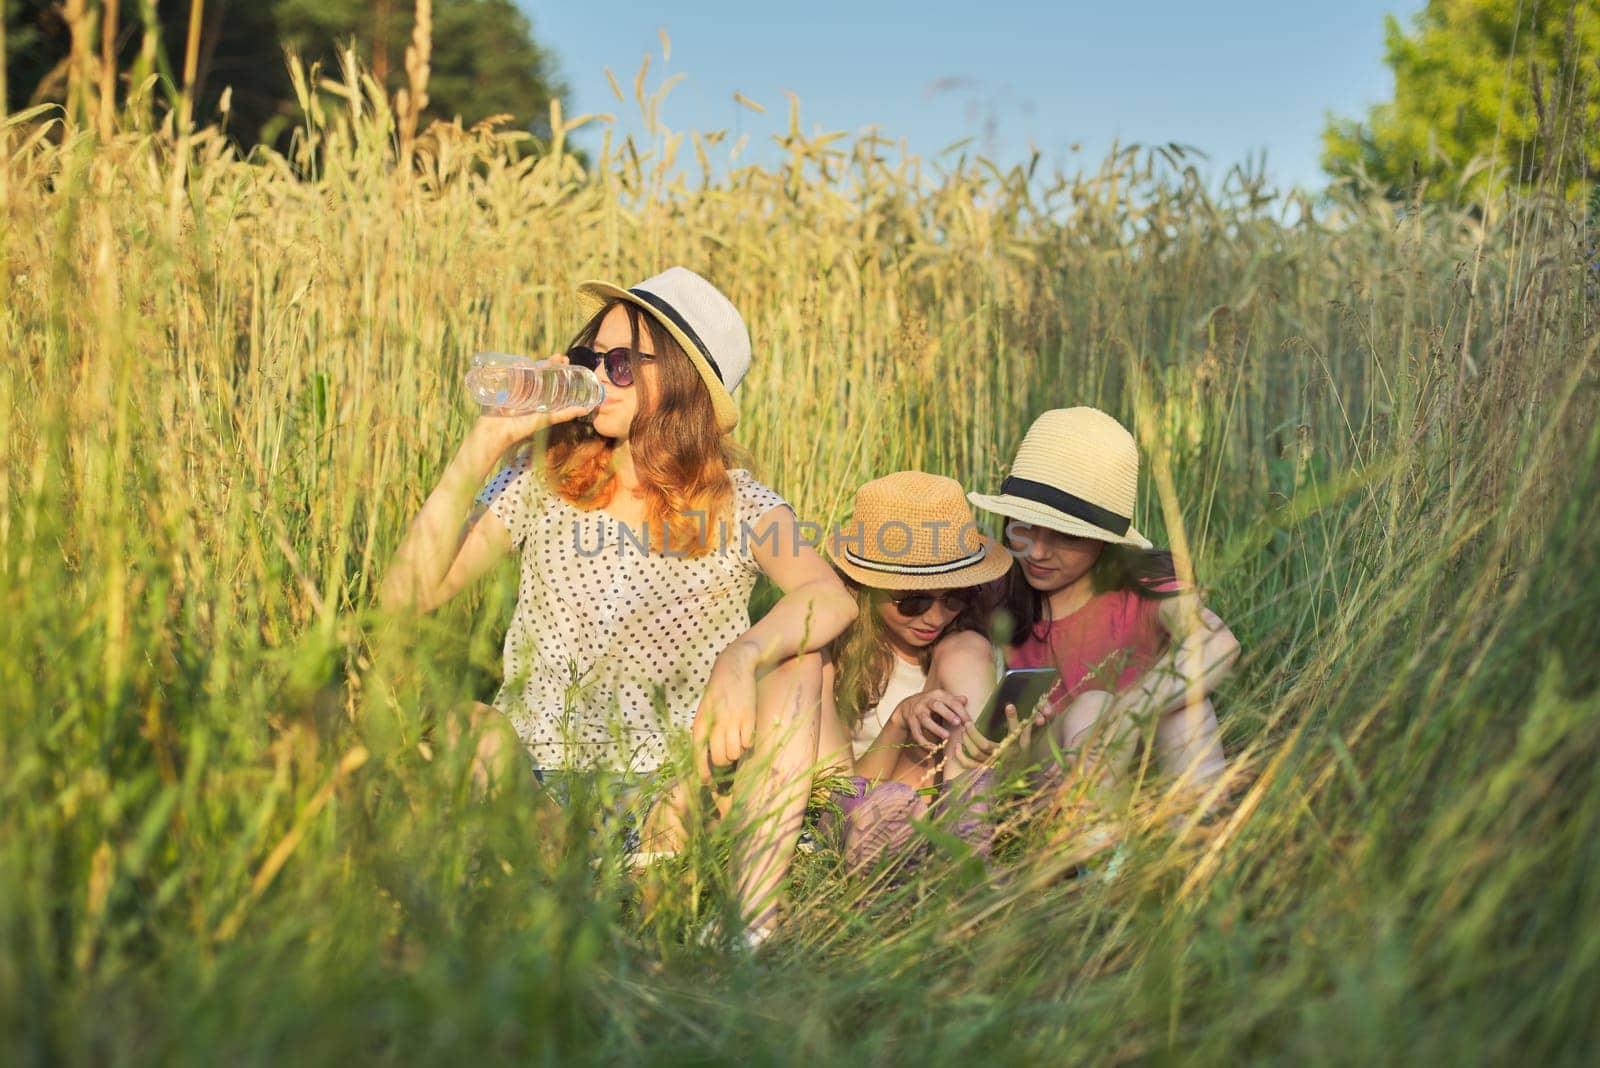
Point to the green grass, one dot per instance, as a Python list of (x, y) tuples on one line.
[(226, 392)]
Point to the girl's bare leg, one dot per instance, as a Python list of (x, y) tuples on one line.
[(665, 829), (494, 742), (835, 754), (1093, 744), (1187, 745), (773, 783)]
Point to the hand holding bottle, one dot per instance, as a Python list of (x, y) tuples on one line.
[(501, 427), (516, 385)]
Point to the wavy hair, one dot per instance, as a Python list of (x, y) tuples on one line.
[(862, 657), (682, 456), (1119, 567)]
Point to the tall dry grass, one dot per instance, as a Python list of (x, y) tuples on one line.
[(229, 382)]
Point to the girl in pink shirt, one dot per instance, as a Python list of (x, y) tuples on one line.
[(1088, 595)]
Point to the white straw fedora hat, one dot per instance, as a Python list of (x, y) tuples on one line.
[(914, 531), (699, 318), (1077, 472)]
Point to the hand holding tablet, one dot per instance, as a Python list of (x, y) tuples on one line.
[(1021, 687)]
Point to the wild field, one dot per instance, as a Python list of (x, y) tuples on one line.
[(228, 836)]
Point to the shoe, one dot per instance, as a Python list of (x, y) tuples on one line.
[(638, 861), (749, 940), (643, 859)]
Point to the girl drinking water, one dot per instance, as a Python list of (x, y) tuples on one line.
[(640, 543), (1089, 597)]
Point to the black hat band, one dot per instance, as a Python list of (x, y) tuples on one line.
[(1068, 503), (681, 323)]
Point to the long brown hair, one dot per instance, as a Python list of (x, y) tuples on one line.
[(862, 657), (682, 456), (1119, 567)]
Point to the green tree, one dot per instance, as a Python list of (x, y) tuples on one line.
[(486, 60), (1484, 90)]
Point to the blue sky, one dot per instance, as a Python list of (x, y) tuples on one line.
[(1233, 78)]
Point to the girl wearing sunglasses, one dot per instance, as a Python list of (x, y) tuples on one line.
[(641, 539), (915, 665)]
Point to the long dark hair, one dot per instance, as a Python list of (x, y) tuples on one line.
[(862, 657), (1142, 572)]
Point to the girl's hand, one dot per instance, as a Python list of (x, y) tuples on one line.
[(974, 750), (1081, 715), (932, 716), (501, 432), (725, 722)]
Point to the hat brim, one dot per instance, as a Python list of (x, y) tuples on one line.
[(1042, 515), (995, 563), (594, 295)]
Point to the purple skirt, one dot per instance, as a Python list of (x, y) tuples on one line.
[(873, 824)]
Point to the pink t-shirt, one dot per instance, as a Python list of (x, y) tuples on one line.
[(1105, 645)]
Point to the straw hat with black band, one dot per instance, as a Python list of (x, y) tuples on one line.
[(1076, 472), (699, 318), (914, 531)]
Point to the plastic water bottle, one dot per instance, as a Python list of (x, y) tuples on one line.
[(516, 385)]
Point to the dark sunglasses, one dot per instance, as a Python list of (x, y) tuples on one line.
[(914, 604), (618, 370)]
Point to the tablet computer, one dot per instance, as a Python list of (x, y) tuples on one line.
[(1022, 687)]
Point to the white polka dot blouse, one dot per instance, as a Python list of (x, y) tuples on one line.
[(610, 645)]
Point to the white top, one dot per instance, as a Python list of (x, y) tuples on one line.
[(905, 679), (609, 647)]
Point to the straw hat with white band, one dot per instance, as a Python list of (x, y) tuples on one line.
[(699, 318), (1077, 472), (914, 531)]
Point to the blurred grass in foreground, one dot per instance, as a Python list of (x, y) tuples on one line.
[(229, 384)]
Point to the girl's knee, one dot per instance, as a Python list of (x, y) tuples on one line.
[(492, 740), (793, 686), (962, 649), (476, 720), (963, 643), (665, 826), (804, 669)]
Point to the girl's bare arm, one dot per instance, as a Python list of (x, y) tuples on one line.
[(1201, 653), (815, 609), (1098, 726), (835, 755), (448, 546), (960, 680), (1175, 691), (444, 548)]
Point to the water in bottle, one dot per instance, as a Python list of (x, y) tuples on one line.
[(517, 385)]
